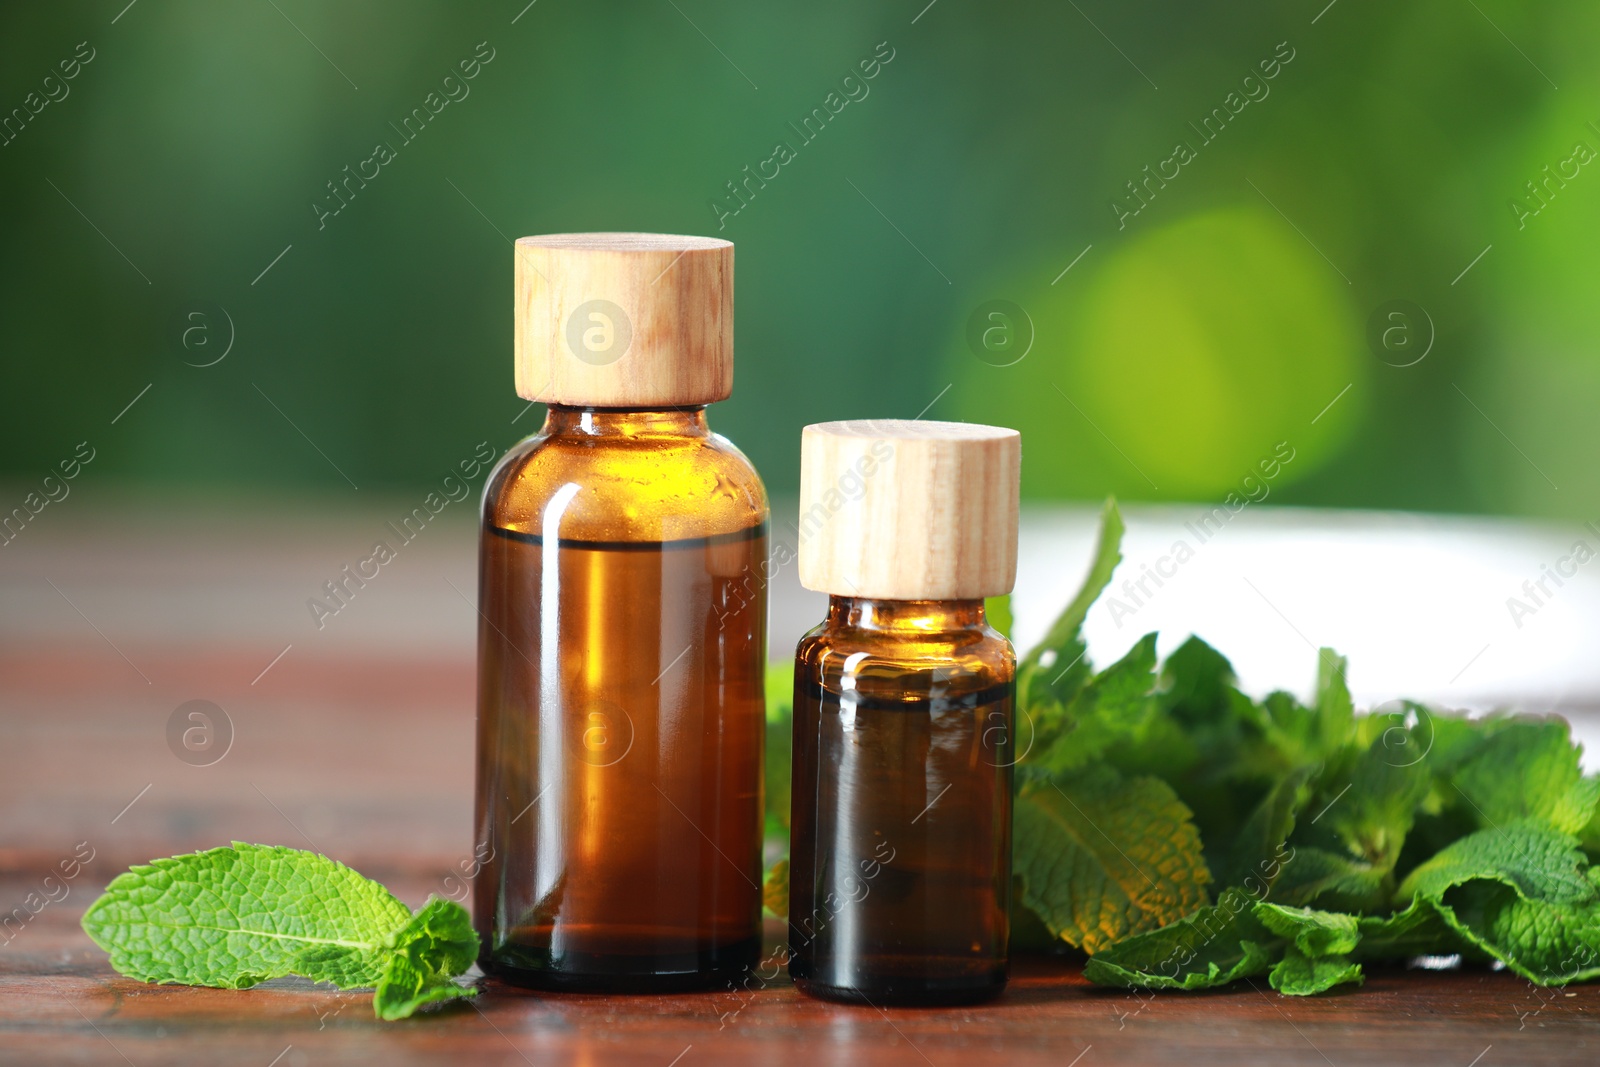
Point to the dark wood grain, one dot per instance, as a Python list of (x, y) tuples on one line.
[(370, 761)]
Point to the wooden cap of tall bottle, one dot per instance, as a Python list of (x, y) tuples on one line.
[(624, 319), (897, 509)]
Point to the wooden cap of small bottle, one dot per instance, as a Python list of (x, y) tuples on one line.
[(896, 509), (624, 319)]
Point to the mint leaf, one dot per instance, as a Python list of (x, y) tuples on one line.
[(1528, 769), (1114, 707), (435, 946), (1316, 874), (1322, 808), (1215, 945), (1417, 931), (1301, 951), (1257, 852), (1312, 735), (1539, 862), (1313, 933), (1101, 857), (1363, 809), (1335, 710), (1551, 944), (232, 917), (1304, 736), (1524, 894), (1293, 728), (1589, 835), (1452, 739), (1214, 746), (1318, 955), (1298, 975), (1199, 681), (407, 985), (1210, 732)]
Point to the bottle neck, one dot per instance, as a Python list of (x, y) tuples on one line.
[(905, 616), (560, 420)]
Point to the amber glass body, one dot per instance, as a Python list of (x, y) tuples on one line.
[(621, 649), (900, 864)]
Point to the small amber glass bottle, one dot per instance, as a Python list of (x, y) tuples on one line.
[(900, 866), (622, 641)]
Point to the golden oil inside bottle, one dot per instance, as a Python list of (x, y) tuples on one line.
[(621, 710)]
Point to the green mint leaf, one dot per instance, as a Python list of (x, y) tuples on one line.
[(1410, 732), (1546, 943), (1452, 738), (439, 936), (1214, 946), (1215, 747), (1527, 768), (1590, 834), (1298, 975), (1115, 707), (1255, 855), (1202, 725), (437, 944), (1345, 939), (1536, 860), (233, 917), (1330, 878), (1101, 857), (1300, 951), (1198, 682), (1312, 735), (1364, 806), (1313, 933), (1335, 710), (1523, 894), (1417, 931), (1293, 729), (407, 986)]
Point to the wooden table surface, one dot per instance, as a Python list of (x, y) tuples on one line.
[(369, 761)]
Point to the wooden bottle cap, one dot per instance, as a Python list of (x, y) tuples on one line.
[(624, 319), (896, 509)]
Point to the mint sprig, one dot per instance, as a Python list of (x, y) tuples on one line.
[(1186, 835), (1335, 838), (233, 917)]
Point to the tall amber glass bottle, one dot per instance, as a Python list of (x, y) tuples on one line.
[(622, 636), (900, 867)]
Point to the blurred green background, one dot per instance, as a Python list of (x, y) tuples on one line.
[(1387, 159)]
